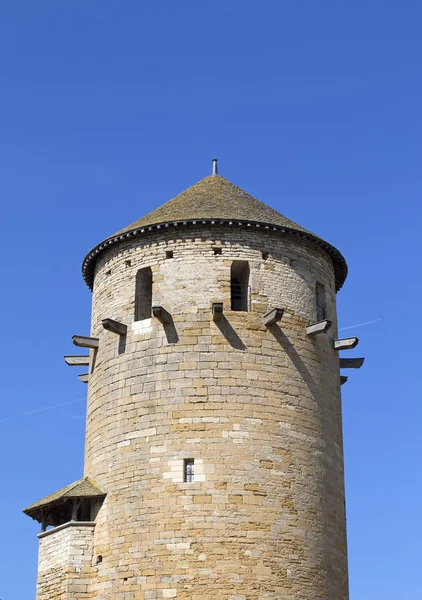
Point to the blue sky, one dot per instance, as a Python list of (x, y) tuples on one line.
[(108, 109)]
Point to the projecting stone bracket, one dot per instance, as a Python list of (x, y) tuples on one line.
[(83, 377), (114, 326), (162, 315), (318, 327), (85, 342), (77, 361), (217, 311), (345, 343), (343, 379), (274, 316), (351, 363)]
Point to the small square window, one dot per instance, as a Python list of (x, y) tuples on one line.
[(188, 470), (169, 254), (265, 255), (217, 250)]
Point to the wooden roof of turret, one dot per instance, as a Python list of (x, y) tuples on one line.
[(83, 488), (214, 200)]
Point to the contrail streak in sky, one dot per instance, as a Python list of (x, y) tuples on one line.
[(38, 410), (359, 324)]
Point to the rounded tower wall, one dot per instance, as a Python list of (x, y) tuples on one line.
[(256, 408), (286, 278)]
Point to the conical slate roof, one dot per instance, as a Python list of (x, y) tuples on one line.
[(214, 200)]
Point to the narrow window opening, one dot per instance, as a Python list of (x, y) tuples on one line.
[(188, 470), (239, 285), (143, 294), (321, 306), (128, 263), (99, 559), (169, 254), (84, 511), (265, 255), (217, 250), (108, 273)]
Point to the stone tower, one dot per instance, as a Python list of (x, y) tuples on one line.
[(213, 457)]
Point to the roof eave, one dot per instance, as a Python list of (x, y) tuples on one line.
[(64, 494), (339, 262), (38, 510)]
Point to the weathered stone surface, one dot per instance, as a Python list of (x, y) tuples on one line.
[(65, 569), (257, 408)]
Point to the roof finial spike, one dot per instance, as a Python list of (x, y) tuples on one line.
[(214, 166)]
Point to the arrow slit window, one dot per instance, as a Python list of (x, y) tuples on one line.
[(239, 285), (143, 294), (321, 303)]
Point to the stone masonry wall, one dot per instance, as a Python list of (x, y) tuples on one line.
[(257, 409), (65, 568)]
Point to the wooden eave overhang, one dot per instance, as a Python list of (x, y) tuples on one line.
[(83, 488)]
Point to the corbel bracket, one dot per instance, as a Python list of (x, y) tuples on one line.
[(77, 361), (217, 311), (351, 363), (345, 343), (318, 327), (273, 316), (114, 326), (85, 342), (161, 314)]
